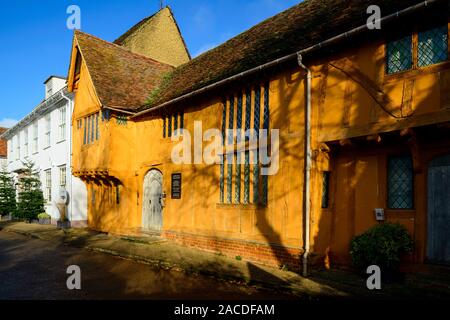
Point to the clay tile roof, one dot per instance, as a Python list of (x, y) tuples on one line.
[(297, 28), (122, 79), (3, 144)]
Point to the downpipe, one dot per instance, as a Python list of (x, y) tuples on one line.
[(70, 104), (307, 167)]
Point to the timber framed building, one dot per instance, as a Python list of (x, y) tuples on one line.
[(363, 118)]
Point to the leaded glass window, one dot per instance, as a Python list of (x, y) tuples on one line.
[(400, 183), (243, 112), (222, 164), (433, 47), (399, 55), (248, 114), (256, 124), (237, 190), (325, 190), (175, 122), (164, 126), (230, 156), (169, 126)]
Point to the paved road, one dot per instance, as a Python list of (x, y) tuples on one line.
[(36, 269)]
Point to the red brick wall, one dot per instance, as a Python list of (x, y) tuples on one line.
[(272, 255)]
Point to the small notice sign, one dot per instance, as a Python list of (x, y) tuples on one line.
[(176, 186)]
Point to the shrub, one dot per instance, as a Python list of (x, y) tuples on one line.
[(31, 200), (42, 216), (382, 245)]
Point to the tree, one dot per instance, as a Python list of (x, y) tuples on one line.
[(8, 203), (31, 199)]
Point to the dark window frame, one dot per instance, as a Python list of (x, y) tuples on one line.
[(388, 186)]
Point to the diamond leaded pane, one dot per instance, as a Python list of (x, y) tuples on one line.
[(433, 47), (399, 55), (325, 189), (400, 183)]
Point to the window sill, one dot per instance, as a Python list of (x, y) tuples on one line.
[(233, 206), (415, 72)]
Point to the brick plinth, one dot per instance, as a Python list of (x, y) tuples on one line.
[(267, 254)]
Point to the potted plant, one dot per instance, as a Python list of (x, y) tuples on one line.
[(383, 246), (44, 218)]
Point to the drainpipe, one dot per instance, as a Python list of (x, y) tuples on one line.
[(69, 101), (307, 166)]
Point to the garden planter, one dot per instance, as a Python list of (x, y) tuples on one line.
[(45, 221)]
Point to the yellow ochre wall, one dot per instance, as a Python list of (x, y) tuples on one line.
[(344, 95), (159, 38)]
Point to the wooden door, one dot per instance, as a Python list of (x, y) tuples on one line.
[(152, 210), (438, 247)]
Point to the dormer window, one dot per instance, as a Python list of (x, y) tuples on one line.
[(49, 91)]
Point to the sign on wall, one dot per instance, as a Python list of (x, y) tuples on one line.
[(176, 186)]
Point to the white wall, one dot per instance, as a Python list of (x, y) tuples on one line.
[(51, 158), (3, 162)]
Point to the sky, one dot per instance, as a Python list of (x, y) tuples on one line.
[(35, 42)]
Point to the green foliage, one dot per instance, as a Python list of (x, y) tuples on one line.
[(155, 93), (7, 193), (238, 258), (42, 216), (31, 199), (382, 245)]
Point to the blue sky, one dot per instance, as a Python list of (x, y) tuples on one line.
[(35, 42)]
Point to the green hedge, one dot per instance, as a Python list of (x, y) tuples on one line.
[(382, 245)]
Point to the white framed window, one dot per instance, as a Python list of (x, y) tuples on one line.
[(62, 124), (47, 130), (62, 176), (18, 146), (35, 137), (11, 150), (48, 185), (25, 149)]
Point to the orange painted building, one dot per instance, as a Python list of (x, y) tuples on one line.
[(376, 103)]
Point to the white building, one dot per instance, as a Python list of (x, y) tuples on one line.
[(44, 137)]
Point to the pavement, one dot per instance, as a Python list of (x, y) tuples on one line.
[(34, 269), (169, 256)]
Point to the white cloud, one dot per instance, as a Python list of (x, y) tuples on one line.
[(7, 123)]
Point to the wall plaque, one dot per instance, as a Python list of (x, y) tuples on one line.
[(176, 186)]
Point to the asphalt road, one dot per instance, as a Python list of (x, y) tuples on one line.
[(36, 269)]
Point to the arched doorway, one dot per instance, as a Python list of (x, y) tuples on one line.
[(152, 208), (438, 246)]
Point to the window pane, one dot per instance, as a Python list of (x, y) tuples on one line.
[(230, 157), (399, 55), (256, 126), (222, 164), (432, 46), (400, 183), (325, 189), (237, 190), (164, 126), (248, 111)]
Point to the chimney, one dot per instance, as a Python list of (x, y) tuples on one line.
[(53, 84)]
